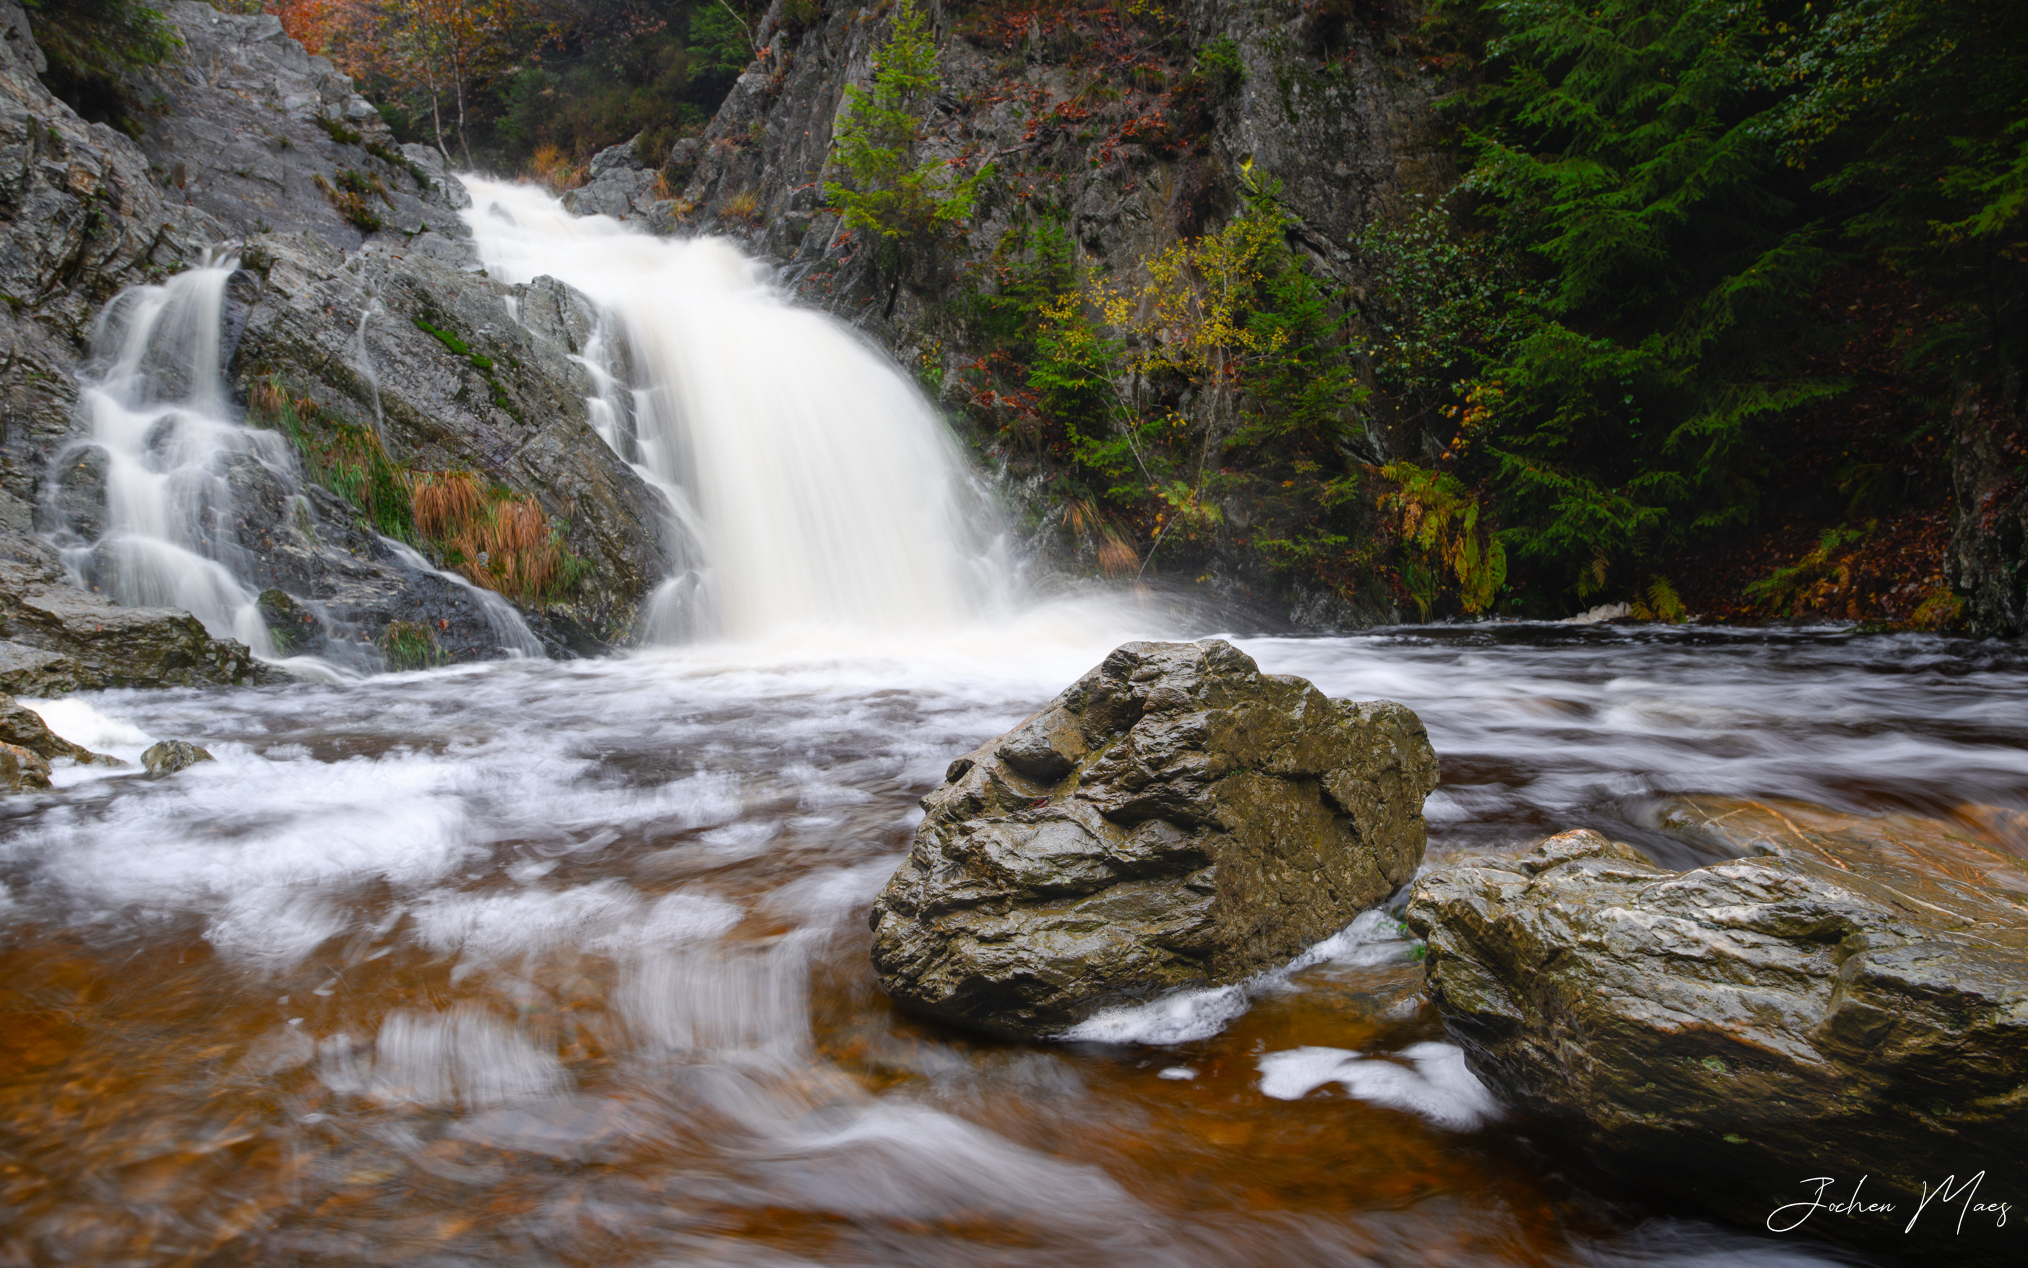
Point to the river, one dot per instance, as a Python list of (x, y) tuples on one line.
[(566, 963)]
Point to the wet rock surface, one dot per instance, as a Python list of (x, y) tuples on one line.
[(1175, 818), (1848, 1000), (169, 756), (56, 638), (81, 218), (248, 140)]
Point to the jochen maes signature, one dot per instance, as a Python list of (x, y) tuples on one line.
[(1951, 1192)]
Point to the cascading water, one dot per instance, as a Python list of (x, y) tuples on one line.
[(168, 443), (158, 414), (816, 484)]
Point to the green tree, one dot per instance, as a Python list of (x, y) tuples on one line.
[(1914, 114), (1683, 179), (890, 191), (1626, 147)]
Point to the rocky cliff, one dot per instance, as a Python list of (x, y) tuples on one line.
[(1129, 130), (359, 323)]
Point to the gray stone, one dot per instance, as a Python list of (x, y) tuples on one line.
[(87, 641), (31, 671), (1848, 999), (1175, 818), (170, 756), (241, 126)]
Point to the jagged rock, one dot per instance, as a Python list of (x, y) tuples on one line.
[(245, 138), (1175, 818), (620, 184), (80, 220), (23, 727), (511, 406), (1848, 1000), (244, 124), (90, 642), (22, 770), (683, 156), (31, 671), (170, 756)]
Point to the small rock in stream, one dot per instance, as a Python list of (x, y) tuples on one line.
[(1848, 1002), (1176, 818), (170, 756)]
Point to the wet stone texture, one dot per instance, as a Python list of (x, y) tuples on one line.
[(1847, 1000), (1176, 818)]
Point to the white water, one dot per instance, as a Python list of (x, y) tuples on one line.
[(158, 412), (818, 486)]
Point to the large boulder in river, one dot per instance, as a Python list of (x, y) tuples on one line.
[(1175, 818), (1847, 1002)]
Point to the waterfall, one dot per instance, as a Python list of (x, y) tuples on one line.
[(167, 442), (159, 418), (815, 485)]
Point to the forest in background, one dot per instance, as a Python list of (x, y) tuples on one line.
[(520, 86), (1725, 290)]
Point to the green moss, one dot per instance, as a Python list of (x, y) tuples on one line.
[(409, 645), (478, 361), (338, 131)]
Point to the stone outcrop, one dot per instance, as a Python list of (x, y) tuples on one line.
[(366, 325), (1847, 999), (1175, 818), (169, 756), (23, 727), (56, 638), (81, 219), (621, 183)]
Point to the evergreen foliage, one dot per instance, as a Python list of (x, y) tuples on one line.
[(1216, 371), (1671, 182), (890, 191)]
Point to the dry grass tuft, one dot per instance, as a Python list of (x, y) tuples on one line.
[(267, 399), (505, 544), (445, 501), (556, 170), (744, 205), (1115, 557)]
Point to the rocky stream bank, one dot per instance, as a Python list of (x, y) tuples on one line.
[(1837, 1010)]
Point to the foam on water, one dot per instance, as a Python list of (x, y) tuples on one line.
[(1373, 937), (1438, 1086), (610, 914)]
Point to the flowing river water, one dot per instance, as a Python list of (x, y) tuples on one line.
[(566, 963), (542, 963)]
